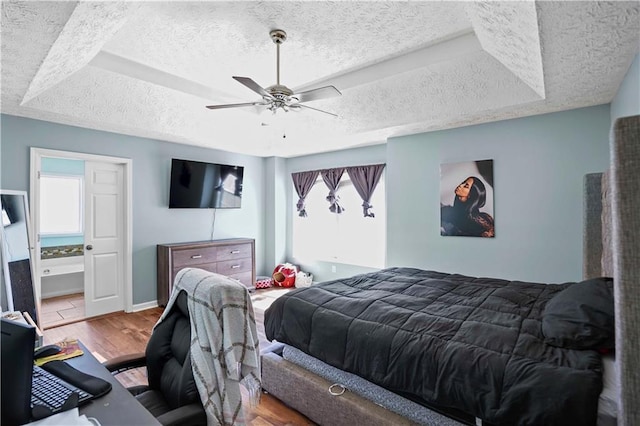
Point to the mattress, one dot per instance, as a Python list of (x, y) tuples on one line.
[(468, 344)]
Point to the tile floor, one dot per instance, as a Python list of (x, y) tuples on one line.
[(61, 310)]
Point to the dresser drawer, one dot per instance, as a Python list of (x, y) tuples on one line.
[(233, 267), (233, 257), (194, 256), (235, 251), (211, 267), (246, 278)]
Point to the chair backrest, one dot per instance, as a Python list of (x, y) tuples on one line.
[(168, 357)]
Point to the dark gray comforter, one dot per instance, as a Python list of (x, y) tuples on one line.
[(471, 344)]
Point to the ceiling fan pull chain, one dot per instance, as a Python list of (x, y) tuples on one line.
[(278, 64)]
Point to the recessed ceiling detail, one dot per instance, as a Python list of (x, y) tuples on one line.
[(509, 31), (91, 24), (148, 68)]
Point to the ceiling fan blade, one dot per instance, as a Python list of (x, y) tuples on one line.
[(253, 86), (315, 109), (235, 105), (315, 94)]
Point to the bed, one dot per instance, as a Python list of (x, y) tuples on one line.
[(447, 341), (483, 358)]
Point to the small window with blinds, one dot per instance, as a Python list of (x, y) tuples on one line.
[(61, 199)]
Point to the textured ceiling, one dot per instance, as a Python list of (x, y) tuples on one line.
[(149, 68)]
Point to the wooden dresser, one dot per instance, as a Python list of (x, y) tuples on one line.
[(233, 257)]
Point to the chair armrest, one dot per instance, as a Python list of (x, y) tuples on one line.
[(192, 414), (125, 362)]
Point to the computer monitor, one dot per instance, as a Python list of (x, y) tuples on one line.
[(18, 341)]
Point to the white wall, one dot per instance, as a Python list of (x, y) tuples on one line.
[(62, 285)]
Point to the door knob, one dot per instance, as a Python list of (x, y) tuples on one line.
[(89, 247)]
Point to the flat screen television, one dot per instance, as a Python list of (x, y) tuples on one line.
[(198, 185)]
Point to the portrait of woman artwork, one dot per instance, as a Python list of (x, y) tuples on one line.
[(466, 199)]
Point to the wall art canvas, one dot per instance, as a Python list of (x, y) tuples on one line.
[(466, 199)]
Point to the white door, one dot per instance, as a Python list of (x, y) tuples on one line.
[(104, 238)]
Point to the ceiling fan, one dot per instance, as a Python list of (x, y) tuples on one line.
[(279, 96)]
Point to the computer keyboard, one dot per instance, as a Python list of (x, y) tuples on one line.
[(51, 391)]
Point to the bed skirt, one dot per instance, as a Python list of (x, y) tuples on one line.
[(309, 394)]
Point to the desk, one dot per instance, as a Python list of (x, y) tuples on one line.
[(118, 407)]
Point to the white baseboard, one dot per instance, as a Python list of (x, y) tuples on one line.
[(146, 305), (65, 292)]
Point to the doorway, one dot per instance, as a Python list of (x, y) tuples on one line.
[(81, 215)]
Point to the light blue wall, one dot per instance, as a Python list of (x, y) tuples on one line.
[(351, 157), (627, 100), (62, 166), (539, 166), (153, 221)]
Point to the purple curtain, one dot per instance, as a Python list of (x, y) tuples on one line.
[(303, 182), (365, 179), (331, 178)]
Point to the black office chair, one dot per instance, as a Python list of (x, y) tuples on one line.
[(171, 396)]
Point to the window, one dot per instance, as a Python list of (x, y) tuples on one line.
[(61, 199), (348, 237)]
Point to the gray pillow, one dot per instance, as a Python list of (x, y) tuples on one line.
[(581, 316)]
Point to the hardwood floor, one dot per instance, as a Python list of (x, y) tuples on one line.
[(119, 334)]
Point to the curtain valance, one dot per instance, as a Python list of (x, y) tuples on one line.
[(365, 180), (303, 182), (331, 178)]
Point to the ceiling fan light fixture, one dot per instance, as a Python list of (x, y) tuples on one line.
[(274, 124), (279, 96)]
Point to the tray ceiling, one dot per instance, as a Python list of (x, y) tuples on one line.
[(149, 68)]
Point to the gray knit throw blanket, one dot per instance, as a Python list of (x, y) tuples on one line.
[(224, 343)]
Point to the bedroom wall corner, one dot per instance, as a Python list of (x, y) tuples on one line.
[(627, 100), (539, 167), (275, 214)]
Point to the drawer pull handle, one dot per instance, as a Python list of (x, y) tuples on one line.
[(235, 266), (235, 251), (46, 271), (196, 256)]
